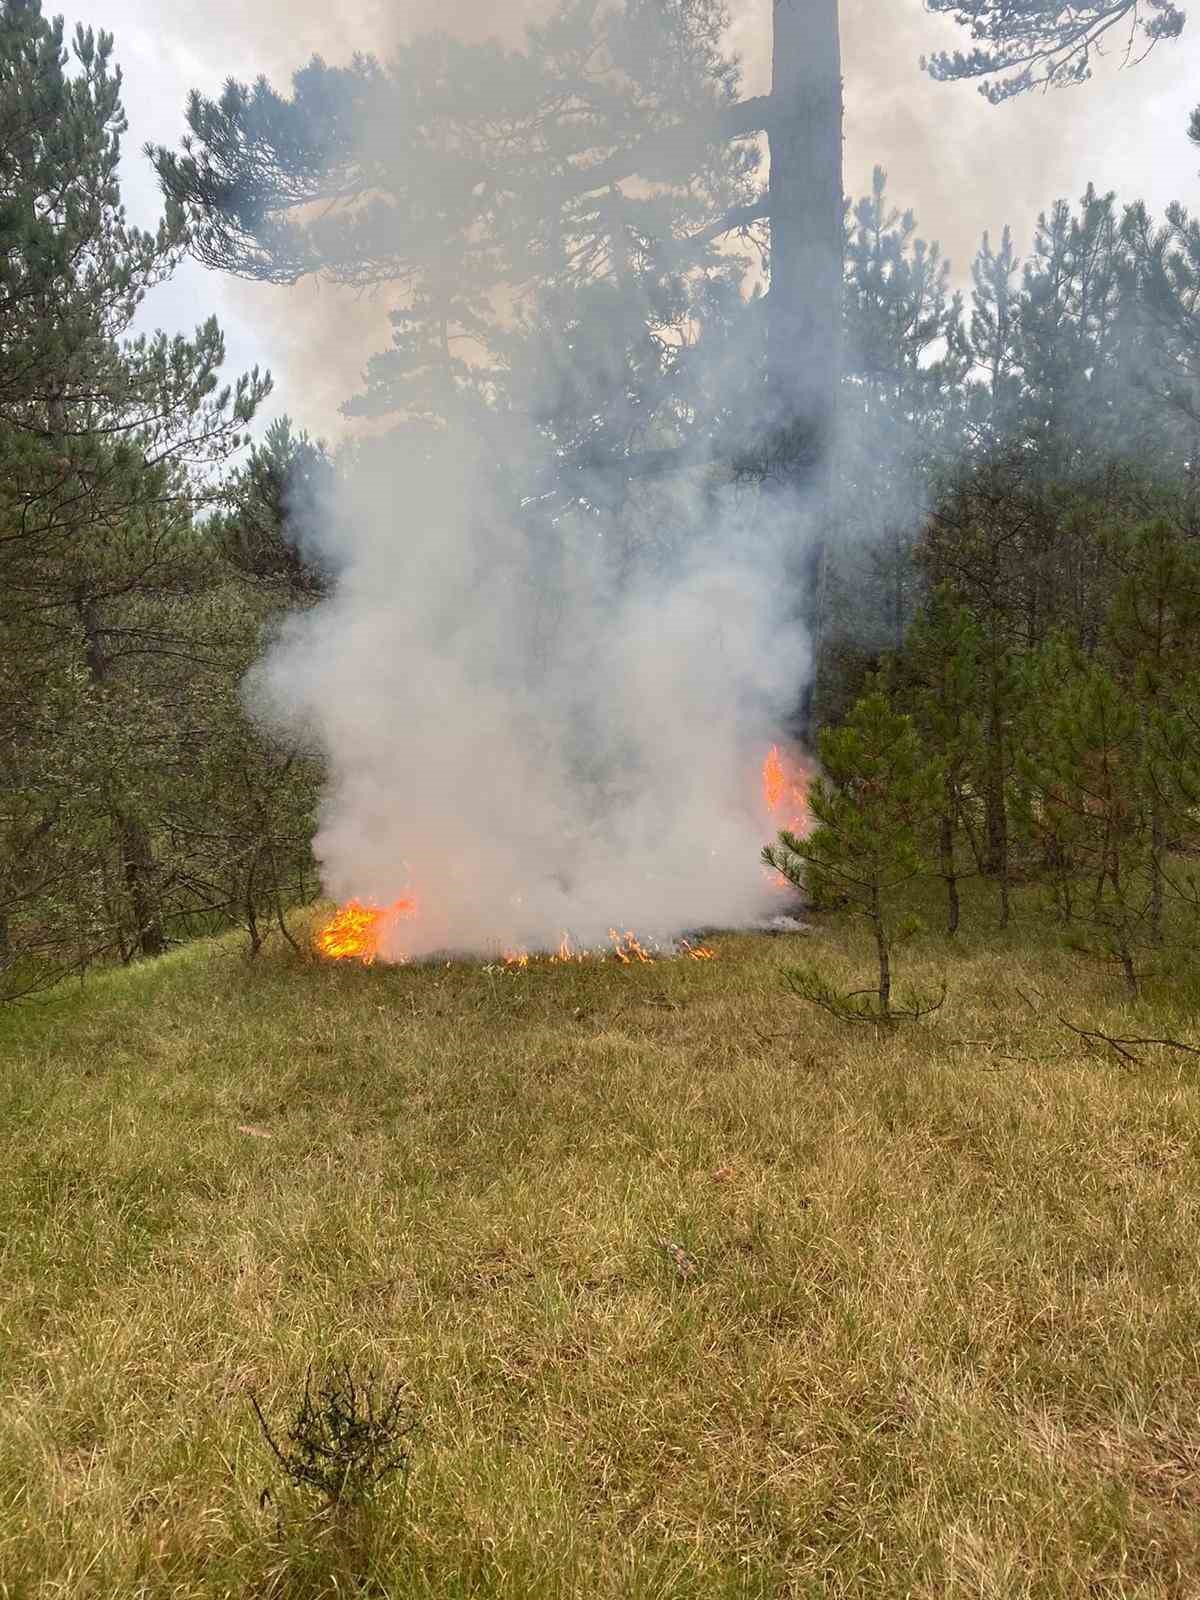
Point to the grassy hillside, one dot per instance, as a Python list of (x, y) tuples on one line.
[(697, 1292)]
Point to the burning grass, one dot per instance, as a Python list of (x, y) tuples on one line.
[(355, 932), (698, 1294), (360, 931)]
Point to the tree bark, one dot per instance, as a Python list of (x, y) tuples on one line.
[(883, 952), (137, 862), (804, 308), (949, 874)]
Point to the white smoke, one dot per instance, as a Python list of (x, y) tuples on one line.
[(533, 733)]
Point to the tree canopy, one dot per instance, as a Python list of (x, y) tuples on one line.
[(1026, 44)]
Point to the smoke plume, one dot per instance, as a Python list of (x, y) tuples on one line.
[(528, 731), (536, 723)]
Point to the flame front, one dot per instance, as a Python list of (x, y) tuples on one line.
[(355, 931)]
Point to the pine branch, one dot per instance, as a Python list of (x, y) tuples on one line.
[(1121, 1045)]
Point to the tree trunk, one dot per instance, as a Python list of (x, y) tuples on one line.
[(1158, 845), (804, 308), (137, 854), (949, 875), (883, 952), (995, 799), (804, 316), (138, 865), (885, 969)]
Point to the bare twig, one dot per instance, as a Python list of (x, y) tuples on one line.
[(1121, 1046)]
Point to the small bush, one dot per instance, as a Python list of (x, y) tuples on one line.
[(347, 1439)]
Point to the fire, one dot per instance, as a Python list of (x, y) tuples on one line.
[(785, 791), (626, 947), (785, 795), (697, 952), (566, 952), (355, 931), (774, 782)]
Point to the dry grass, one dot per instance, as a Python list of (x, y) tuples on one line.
[(687, 1311)]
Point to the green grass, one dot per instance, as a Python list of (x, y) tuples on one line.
[(941, 1339)]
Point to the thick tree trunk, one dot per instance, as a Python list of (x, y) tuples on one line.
[(804, 316), (138, 865), (804, 308)]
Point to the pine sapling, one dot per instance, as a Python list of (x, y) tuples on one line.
[(872, 808)]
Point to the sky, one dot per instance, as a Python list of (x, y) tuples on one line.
[(961, 164)]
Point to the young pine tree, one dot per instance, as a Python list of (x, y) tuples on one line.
[(872, 807)]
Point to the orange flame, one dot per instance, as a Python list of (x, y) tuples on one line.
[(774, 783), (698, 952), (785, 790), (566, 952), (355, 931), (626, 947), (785, 795)]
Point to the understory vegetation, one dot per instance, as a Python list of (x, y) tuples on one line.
[(684, 1287)]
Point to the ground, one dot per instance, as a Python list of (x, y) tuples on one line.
[(696, 1292)]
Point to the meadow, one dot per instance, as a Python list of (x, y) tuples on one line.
[(692, 1290)]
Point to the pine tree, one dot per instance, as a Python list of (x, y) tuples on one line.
[(272, 506), (872, 805), (102, 437), (901, 420), (1024, 44), (995, 301)]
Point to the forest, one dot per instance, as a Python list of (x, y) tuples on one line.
[(982, 502), (598, 965)]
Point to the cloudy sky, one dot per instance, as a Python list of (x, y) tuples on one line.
[(960, 163)]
